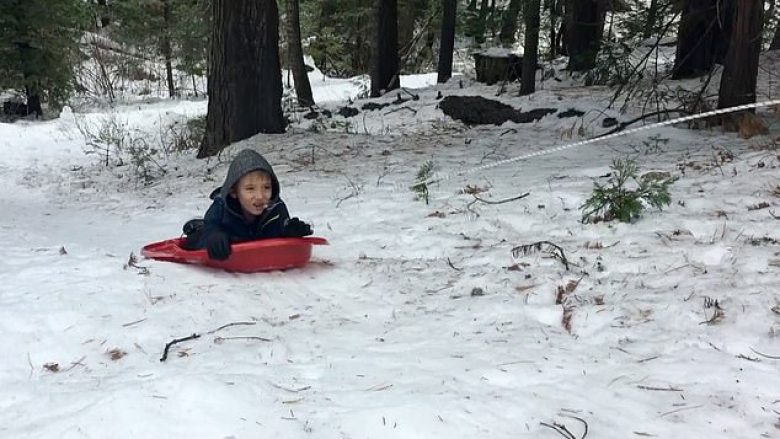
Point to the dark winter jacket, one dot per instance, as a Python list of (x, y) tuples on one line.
[(225, 211)]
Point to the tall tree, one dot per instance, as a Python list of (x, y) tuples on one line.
[(740, 69), (555, 9), (39, 47), (245, 80), (103, 14), (384, 72), (703, 36), (531, 53), (481, 27), (447, 45), (585, 26), (652, 17), (302, 85), (509, 23), (165, 46)]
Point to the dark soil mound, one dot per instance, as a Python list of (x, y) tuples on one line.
[(476, 110)]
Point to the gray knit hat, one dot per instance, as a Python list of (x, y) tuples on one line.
[(245, 162)]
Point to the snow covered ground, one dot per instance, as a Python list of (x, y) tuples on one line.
[(417, 321)]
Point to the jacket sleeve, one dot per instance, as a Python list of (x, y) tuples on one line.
[(212, 222), (275, 227)]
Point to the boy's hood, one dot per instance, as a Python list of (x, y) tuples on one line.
[(247, 161)]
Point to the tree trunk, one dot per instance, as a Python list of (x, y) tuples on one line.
[(509, 23), (384, 75), (301, 77), (703, 36), (584, 32), (550, 6), (447, 44), (245, 81), (479, 37), (165, 47), (776, 40), (531, 54), (560, 41), (103, 15), (740, 69), (27, 53), (652, 17)]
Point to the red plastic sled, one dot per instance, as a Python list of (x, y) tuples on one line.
[(246, 257)]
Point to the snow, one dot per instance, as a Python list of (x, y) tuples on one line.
[(417, 321)]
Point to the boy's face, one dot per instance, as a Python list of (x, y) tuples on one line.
[(253, 191)]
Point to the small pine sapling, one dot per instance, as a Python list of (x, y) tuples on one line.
[(622, 203), (423, 175)]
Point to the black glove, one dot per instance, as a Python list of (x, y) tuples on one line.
[(193, 226), (218, 245), (295, 228)]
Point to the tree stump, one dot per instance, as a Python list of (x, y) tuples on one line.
[(497, 65)]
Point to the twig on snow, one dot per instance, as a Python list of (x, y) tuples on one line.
[(401, 108), (660, 389), (745, 357), (771, 357), (505, 200), (679, 410), (584, 423), (453, 266), (175, 341), (772, 214), (557, 252), (560, 429), (245, 337), (196, 335)]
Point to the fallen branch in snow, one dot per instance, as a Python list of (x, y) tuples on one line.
[(505, 200), (402, 108), (175, 341), (623, 125), (195, 335), (560, 429), (300, 389), (771, 357), (555, 250), (219, 340), (772, 214), (679, 410), (660, 389), (453, 266), (565, 432)]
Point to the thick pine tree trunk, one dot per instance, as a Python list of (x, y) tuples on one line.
[(531, 54), (740, 69), (302, 85), (384, 73), (166, 47), (509, 23), (652, 17), (447, 40), (245, 81), (703, 36), (584, 32)]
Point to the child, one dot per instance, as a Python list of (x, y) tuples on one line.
[(245, 208)]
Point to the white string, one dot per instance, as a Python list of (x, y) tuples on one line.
[(444, 177)]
